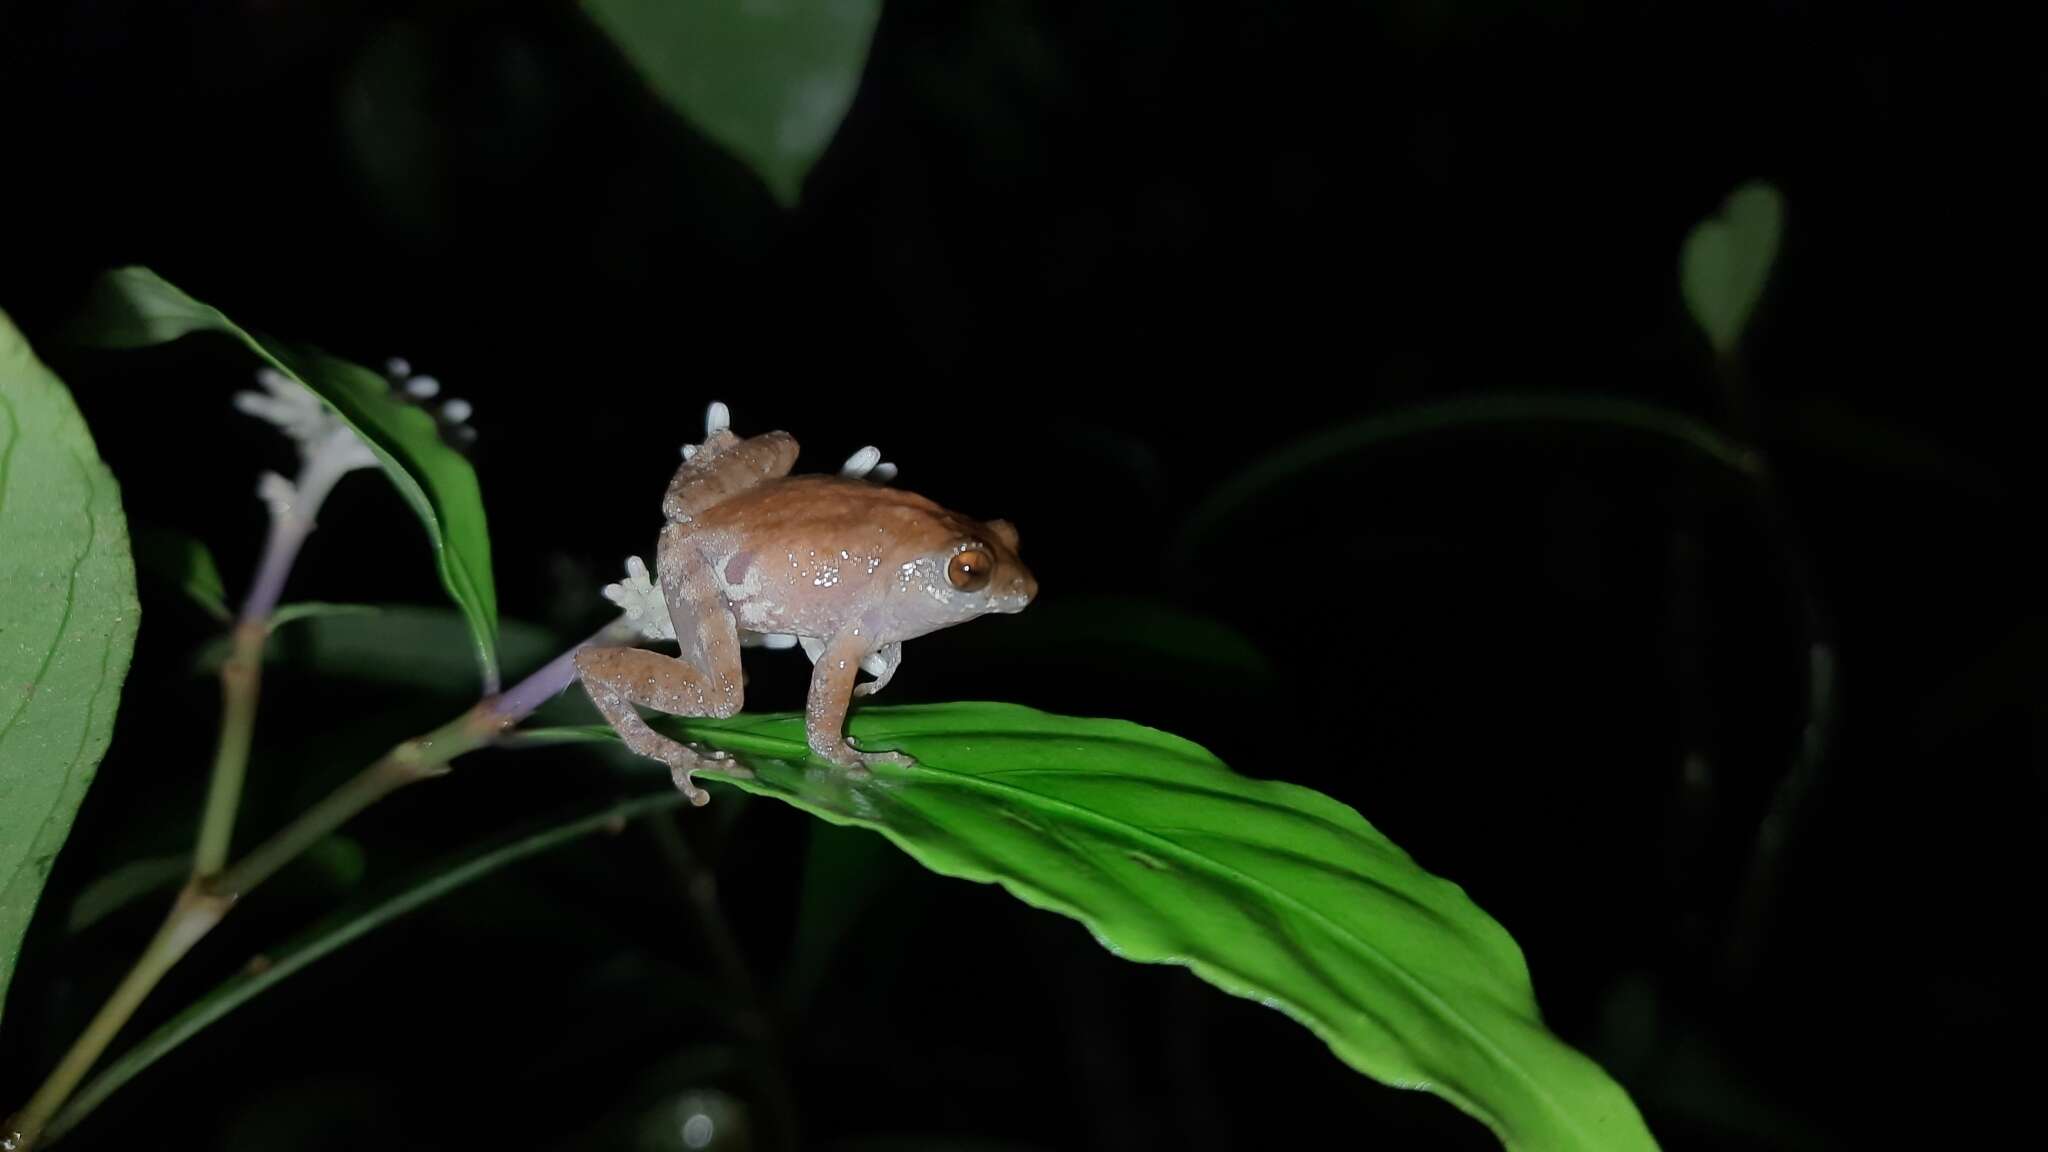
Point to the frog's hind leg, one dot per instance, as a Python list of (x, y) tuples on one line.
[(619, 678), (724, 467), (703, 680)]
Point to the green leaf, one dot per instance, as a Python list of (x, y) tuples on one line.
[(1264, 889), (1727, 260), (134, 307), (768, 82), (336, 932), (1292, 463), (184, 563), (68, 616)]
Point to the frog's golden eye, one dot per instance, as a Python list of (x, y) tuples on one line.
[(970, 570)]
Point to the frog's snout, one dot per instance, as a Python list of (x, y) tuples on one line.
[(1023, 589)]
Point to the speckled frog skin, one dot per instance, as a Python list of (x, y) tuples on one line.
[(849, 568)]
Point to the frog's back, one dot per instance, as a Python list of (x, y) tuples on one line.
[(818, 507)]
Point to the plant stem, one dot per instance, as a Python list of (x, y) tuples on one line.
[(241, 683), (241, 675), (420, 758), (191, 918), (205, 899)]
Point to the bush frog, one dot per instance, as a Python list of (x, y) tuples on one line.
[(848, 567)]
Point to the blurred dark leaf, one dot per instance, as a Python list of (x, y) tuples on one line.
[(403, 645), (1239, 495), (315, 1114), (184, 563), (1140, 637), (429, 885), (388, 116), (1727, 261), (843, 871), (770, 82), (123, 886)]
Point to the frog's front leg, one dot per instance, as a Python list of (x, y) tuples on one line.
[(702, 680), (831, 692), (881, 664)]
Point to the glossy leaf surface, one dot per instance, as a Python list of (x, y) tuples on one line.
[(1265, 889)]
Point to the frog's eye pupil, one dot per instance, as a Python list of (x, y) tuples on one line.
[(970, 570)]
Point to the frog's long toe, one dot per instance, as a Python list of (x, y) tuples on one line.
[(688, 786)]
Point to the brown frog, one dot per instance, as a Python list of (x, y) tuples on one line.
[(847, 567)]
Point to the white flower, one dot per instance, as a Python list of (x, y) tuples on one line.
[(306, 418), (646, 611), (867, 464), (328, 447), (455, 411)]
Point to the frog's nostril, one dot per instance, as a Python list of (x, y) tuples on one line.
[(1023, 590)]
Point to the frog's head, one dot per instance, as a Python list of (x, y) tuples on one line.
[(975, 572)]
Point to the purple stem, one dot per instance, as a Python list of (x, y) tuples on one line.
[(280, 550), (289, 527), (516, 702)]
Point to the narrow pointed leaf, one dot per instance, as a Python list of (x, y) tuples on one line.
[(1264, 889), (315, 609), (134, 307), (68, 616), (185, 564)]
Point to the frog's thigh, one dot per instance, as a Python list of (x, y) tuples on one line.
[(618, 678), (706, 633)]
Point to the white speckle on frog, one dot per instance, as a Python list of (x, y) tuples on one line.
[(827, 577)]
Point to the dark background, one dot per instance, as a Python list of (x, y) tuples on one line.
[(1074, 265)]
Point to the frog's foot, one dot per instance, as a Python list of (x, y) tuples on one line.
[(722, 762), (857, 763), (683, 770), (685, 761)]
